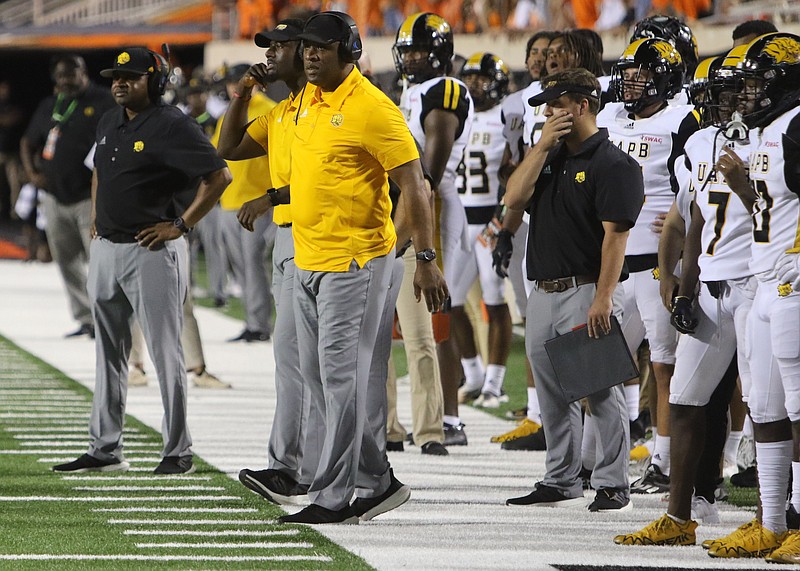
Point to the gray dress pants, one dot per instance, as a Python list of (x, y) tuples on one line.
[(126, 280), (550, 315)]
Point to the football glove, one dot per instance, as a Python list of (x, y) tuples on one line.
[(501, 255), (787, 270), (681, 316)]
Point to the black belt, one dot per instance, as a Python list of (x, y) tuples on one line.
[(479, 214), (641, 262), (120, 238), (288, 225), (563, 284)]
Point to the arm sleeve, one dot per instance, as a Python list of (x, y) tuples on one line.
[(448, 95), (387, 138), (619, 189)]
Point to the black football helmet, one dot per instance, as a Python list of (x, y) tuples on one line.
[(771, 69), (724, 87), (428, 33), (664, 63), (488, 65), (700, 82), (675, 32)]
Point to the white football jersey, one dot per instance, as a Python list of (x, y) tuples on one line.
[(652, 142), (513, 111), (440, 93), (685, 196), (482, 157), (774, 165), (533, 117), (725, 240)]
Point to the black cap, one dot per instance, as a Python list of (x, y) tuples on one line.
[(286, 31), (236, 71), (132, 60), (554, 90), (325, 29)]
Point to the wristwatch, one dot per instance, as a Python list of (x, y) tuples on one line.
[(427, 255), (273, 196), (181, 225)]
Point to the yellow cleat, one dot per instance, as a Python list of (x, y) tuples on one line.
[(755, 541), (789, 551), (525, 427), (639, 453), (663, 531), (742, 529)]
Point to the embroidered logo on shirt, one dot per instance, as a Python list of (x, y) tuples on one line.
[(546, 170), (138, 146), (337, 120), (89, 111), (123, 58), (580, 177)]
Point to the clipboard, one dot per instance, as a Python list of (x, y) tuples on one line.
[(584, 365)]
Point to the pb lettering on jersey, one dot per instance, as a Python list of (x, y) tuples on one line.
[(478, 184)]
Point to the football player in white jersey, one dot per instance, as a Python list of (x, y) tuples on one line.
[(486, 77), (650, 129), (717, 248), (438, 110), (771, 100)]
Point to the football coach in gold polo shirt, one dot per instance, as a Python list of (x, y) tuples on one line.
[(349, 138)]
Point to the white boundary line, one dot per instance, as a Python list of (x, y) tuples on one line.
[(121, 499), (200, 522), (228, 545), (178, 510), (223, 533), (172, 477), (149, 488), (224, 558)]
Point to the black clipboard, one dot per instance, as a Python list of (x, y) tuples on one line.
[(584, 365)]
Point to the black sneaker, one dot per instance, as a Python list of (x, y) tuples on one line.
[(610, 499), (85, 329), (175, 465), (394, 446), (395, 496), (652, 482), (747, 478), (454, 435), (314, 514), (249, 336), (535, 441), (274, 486), (434, 449), (88, 463), (546, 496), (586, 478)]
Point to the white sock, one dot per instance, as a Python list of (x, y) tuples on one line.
[(661, 454), (796, 486), (473, 372), (451, 420), (632, 400), (774, 462), (495, 374), (676, 519), (732, 446), (534, 412), (589, 443)]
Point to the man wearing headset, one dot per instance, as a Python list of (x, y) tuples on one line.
[(147, 153), (349, 138)]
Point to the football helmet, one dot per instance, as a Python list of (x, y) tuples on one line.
[(724, 87), (428, 34), (488, 65), (665, 73), (675, 32), (771, 69)]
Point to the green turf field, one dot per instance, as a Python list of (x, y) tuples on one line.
[(124, 520)]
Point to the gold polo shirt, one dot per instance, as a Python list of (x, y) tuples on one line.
[(345, 142), (251, 178), (275, 132)]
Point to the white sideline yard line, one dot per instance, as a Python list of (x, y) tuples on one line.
[(26, 400), (154, 477), (22, 407), (75, 451), (72, 417), (78, 429), (141, 509), (39, 439), (36, 424), (120, 499), (53, 460), (229, 545), (78, 441), (149, 488), (61, 393), (200, 558), (223, 533), (201, 522)]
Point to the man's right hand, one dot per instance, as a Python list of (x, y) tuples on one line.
[(501, 255), (557, 126), (429, 283), (256, 74), (252, 210)]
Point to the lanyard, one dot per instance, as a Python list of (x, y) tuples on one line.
[(57, 116)]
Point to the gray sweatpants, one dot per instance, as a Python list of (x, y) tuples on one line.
[(247, 253), (549, 315), (295, 440), (127, 280), (338, 316), (69, 240)]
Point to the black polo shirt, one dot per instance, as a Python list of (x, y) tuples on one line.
[(143, 164), (574, 195), (68, 179)]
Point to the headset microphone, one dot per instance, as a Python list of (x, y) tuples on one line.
[(736, 130)]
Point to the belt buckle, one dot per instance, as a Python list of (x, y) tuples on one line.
[(554, 286), (561, 286)]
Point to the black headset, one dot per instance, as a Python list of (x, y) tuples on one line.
[(350, 48), (158, 79)]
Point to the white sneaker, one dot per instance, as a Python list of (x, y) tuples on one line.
[(704, 511), (137, 377), (487, 400), (206, 380)]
